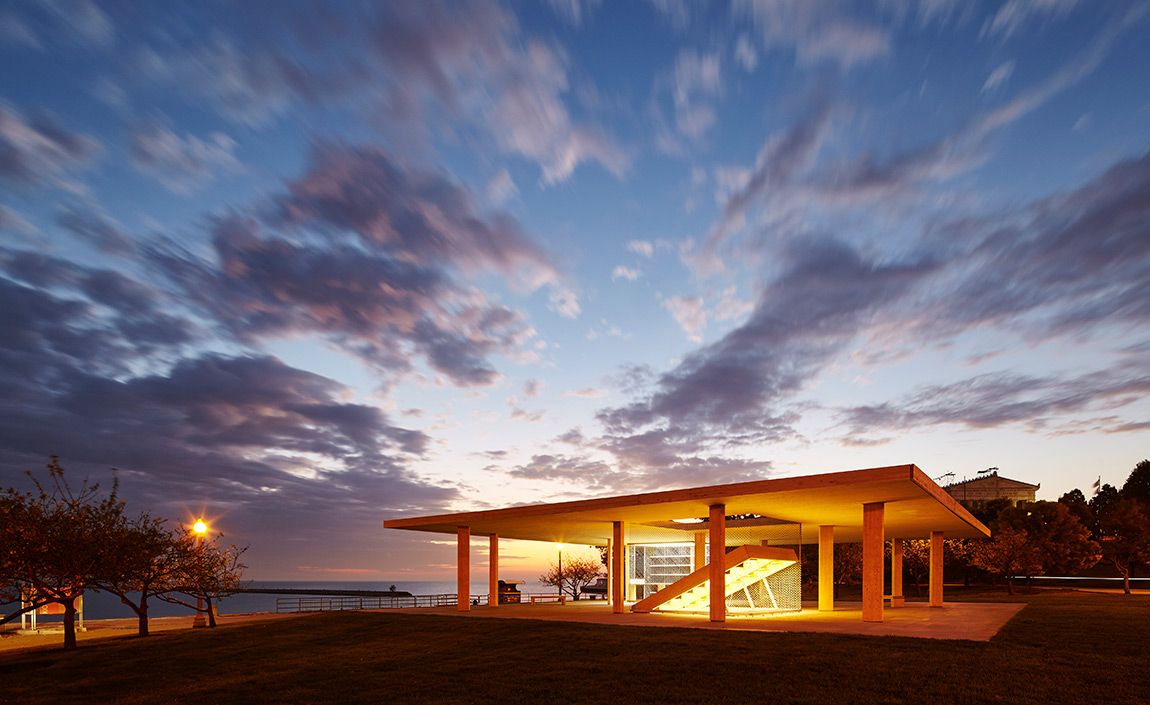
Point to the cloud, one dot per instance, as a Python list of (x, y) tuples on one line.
[(12, 221), (745, 54), (35, 148), (586, 393), (817, 31), (501, 187), (532, 387), (997, 400), (623, 272), (270, 449), (731, 393), (1015, 14), (575, 12), (696, 80), (249, 83), (1067, 263), (645, 248), (1000, 75), (88, 223), (474, 61), (676, 13), (592, 474), (57, 23), (374, 256), (182, 164), (689, 313), (789, 184), (420, 216), (100, 317)]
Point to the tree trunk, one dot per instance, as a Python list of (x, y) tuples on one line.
[(142, 616), (1010, 585), (211, 612), (70, 623), (1126, 583)]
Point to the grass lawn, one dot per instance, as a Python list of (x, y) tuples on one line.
[(1065, 647)]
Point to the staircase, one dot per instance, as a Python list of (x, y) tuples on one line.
[(745, 566)]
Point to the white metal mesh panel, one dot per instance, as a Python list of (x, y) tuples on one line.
[(779, 592)]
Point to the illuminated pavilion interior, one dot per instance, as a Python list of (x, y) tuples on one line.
[(661, 543)]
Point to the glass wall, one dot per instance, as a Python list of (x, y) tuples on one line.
[(654, 566)]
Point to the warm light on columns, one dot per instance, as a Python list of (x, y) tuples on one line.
[(896, 596), (617, 575), (872, 545), (493, 572), (463, 568), (936, 548), (717, 573), (826, 568)]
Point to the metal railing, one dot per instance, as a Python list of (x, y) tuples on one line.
[(338, 603)]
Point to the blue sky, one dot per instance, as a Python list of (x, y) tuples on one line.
[(307, 267)]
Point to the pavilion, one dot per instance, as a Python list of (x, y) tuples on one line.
[(660, 543)]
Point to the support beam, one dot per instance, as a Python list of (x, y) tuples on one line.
[(872, 568), (896, 596), (617, 574), (826, 568), (700, 550), (936, 545), (463, 568), (493, 572), (718, 573)]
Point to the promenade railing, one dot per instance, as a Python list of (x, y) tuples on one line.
[(338, 603)]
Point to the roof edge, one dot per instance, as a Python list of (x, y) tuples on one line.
[(923, 480), (705, 492)]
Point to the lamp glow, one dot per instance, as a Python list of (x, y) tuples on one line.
[(200, 527)]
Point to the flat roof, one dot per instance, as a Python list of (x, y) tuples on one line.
[(915, 506)]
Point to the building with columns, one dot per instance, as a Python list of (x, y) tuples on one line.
[(664, 546)]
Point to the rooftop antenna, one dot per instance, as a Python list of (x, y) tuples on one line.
[(983, 472), (949, 474)]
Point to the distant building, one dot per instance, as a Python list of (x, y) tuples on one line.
[(974, 493)]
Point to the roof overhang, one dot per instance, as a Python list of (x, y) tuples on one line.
[(914, 507)]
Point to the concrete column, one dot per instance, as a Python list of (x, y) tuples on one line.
[(617, 575), (936, 568), (463, 568), (718, 574), (826, 568), (700, 550), (493, 572), (896, 597), (872, 566)]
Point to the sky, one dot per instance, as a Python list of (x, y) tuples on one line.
[(303, 267)]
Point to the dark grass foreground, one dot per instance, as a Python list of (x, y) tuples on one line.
[(1065, 647)]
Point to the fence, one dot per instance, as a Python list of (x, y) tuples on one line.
[(337, 603)]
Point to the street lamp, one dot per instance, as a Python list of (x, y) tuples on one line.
[(561, 569), (199, 529)]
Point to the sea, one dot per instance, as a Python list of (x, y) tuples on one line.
[(102, 605)]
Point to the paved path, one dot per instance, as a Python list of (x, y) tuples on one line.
[(972, 621)]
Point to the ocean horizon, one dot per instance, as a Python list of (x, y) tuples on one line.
[(102, 605)]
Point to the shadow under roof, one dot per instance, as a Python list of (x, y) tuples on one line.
[(914, 506)]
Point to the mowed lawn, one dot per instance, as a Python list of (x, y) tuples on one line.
[(1065, 647)]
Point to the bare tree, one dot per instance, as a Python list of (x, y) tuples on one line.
[(577, 573), (209, 571), (55, 541), (150, 560)]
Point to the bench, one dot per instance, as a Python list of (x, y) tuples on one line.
[(561, 599)]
